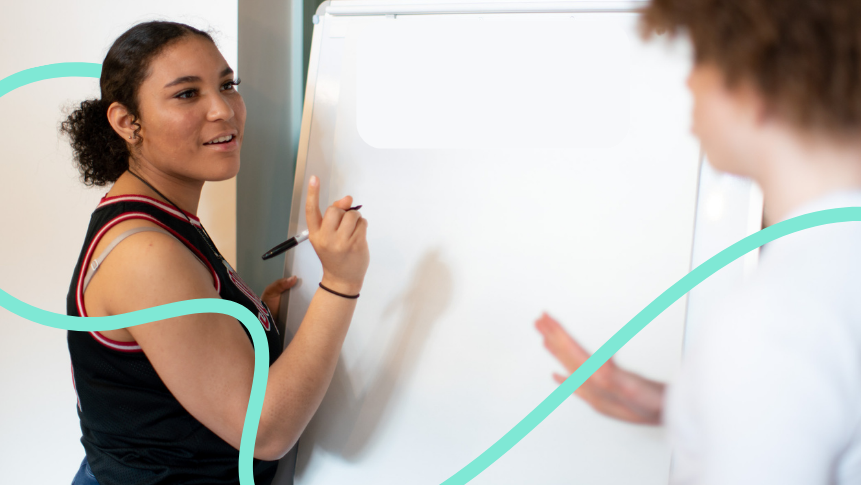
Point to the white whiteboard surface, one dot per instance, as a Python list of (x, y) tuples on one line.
[(507, 164)]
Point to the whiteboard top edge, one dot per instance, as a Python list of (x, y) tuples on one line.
[(405, 7)]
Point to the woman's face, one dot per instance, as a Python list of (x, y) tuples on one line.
[(186, 104), (725, 120)]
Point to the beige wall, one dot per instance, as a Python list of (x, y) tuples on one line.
[(217, 212), (45, 211)]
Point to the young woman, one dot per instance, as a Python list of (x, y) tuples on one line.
[(770, 391), (165, 402)]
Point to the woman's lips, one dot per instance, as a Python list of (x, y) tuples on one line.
[(224, 146)]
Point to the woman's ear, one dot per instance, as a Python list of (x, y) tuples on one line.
[(123, 122)]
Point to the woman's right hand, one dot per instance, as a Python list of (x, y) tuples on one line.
[(340, 239), (611, 390)]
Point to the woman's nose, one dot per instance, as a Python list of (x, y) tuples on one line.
[(220, 109)]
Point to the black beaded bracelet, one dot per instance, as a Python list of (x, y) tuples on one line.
[(352, 297)]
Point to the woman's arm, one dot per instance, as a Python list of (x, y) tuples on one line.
[(207, 361), (611, 390), (300, 377)]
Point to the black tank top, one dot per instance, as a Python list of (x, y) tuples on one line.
[(134, 431)]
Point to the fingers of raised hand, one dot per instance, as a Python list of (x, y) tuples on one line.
[(312, 205), (582, 391), (332, 219), (550, 329), (546, 324), (554, 332), (562, 354), (361, 232), (342, 231), (348, 224), (560, 344), (344, 203)]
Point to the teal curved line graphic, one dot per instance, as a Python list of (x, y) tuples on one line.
[(633, 327), (524, 427), (261, 350), (65, 322), (49, 71), (171, 310)]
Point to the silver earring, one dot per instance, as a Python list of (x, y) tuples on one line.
[(131, 136)]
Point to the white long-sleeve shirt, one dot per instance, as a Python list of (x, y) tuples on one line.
[(770, 391)]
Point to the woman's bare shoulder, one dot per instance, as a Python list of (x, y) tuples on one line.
[(145, 269)]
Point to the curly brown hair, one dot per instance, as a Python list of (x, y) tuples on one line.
[(803, 56), (100, 153)]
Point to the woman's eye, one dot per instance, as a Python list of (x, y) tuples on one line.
[(230, 84), (186, 94)]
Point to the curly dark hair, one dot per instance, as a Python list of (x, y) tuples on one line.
[(803, 56), (100, 153)]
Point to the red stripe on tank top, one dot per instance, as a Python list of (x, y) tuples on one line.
[(115, 344), (153, 202)]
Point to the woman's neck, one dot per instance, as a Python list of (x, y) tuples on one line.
[(795, 170), (184, 193)]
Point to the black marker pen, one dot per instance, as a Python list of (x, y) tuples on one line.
[(294, 241), (288, 244)]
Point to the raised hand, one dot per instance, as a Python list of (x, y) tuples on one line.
[(611, 390), (340, 239)]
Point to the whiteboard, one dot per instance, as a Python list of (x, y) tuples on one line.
[(509, 162)]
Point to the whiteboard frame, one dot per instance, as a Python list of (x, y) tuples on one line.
[(357, 7), (414, 7), (708, 178), (302, 154)]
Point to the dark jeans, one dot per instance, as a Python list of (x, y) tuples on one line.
[(84, 475)]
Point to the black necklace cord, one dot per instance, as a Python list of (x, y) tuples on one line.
[(200, 229)]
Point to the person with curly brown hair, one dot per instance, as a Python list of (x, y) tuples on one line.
[(165, 402), (770, 388)]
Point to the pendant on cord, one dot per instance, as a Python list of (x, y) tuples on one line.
[(263, 313)]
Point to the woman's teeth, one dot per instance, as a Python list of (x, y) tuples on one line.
[(222, 139)]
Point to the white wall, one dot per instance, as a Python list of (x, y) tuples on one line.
[(46, 211)]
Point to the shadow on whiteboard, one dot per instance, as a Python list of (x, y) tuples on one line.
[(349, 419)]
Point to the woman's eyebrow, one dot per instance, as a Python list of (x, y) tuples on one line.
[(190, 79)]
